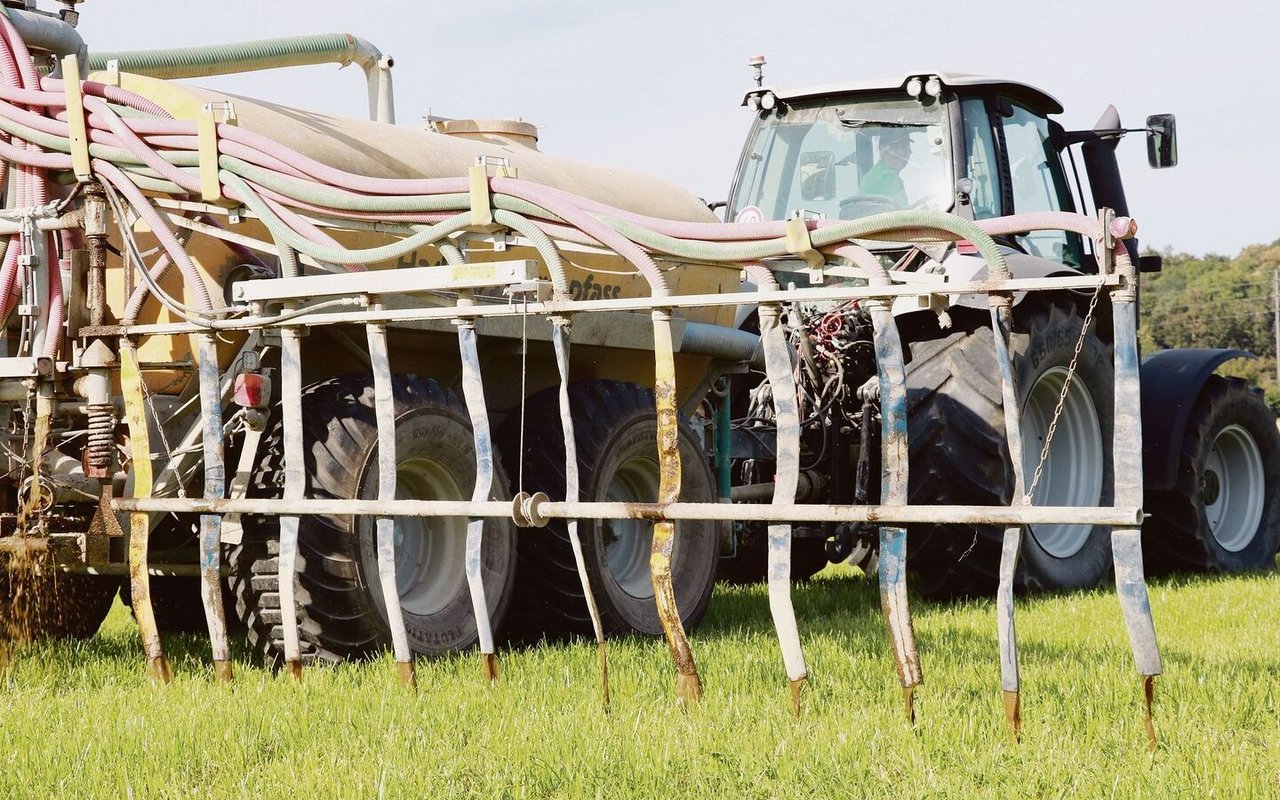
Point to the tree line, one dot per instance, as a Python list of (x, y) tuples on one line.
[(1216, 301)]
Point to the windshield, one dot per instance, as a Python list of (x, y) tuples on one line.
[(844, 160)]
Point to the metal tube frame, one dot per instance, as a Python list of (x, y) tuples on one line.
[(1125, 514)]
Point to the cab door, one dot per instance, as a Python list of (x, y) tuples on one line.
[(1013, 168)]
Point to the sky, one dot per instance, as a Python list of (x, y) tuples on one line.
[(656, 86)]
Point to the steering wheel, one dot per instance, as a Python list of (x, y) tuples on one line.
[(864, 205)]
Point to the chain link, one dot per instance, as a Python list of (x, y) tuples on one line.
[(1062, 397)]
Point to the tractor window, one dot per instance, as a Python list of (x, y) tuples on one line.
[(1037, 181), (844, 161), (980, 161)]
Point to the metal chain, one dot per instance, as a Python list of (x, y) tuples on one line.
[(1062, 397)]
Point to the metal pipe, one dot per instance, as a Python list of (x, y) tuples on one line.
[(780, 373), (473, 394), (1006, 629), (295, 488), (48, 33), (264, 54), (561, 307), (66, 479), (893, 488), (1126, 540), (560, 341), (746, 512), (158, 669), (385, 412), (809, 484), (215, 480)]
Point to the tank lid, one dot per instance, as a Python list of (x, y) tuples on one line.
[(503, 131)]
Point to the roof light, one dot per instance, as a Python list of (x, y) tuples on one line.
[(914, 87), (768, 101), (933, 87)]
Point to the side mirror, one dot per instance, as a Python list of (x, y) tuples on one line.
[(817, 175), (1162, 141)]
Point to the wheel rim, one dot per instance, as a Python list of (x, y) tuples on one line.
[(430, 551), (1073, 470), (627, 543), (1233, 488)]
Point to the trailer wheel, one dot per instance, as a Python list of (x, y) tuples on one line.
[(1223, 514), (341, 614), (52, 605), (959, 456), (616, 432), (176, 600)]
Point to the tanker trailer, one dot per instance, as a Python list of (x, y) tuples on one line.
[(327, 338)]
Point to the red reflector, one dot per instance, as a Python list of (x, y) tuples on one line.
[(252, 390), (966, 248)]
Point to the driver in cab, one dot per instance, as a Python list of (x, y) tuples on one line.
[(884, 178)]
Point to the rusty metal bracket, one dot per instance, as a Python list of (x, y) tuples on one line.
[(688, 682), (158, 669)]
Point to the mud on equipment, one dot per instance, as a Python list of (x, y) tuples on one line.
[(366, 329)]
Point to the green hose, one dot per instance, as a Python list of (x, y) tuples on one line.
[(282, 233), (224, 59)]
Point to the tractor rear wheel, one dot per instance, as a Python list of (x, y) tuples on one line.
[(959, 455), (616, 433), (341, 612), (1223, 514)]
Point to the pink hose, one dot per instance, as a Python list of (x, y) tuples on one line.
[(705, 231), (346, 180), (311, 232), (590, 225), (112, 94), (29, 159), (160, 229), (134, 144)]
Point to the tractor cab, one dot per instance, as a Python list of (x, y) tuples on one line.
[(974, 146)]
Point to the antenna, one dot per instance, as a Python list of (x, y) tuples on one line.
[(757, 68)]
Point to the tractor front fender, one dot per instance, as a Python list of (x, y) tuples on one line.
[(1171, 382)]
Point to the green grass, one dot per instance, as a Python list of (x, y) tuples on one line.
[(80, 720)]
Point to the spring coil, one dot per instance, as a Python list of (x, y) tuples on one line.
[(102, 435)]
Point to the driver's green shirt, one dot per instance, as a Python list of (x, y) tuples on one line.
[(884, 182)]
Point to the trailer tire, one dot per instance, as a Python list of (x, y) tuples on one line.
[(616, 435), (53, 605), (958, 453), (341, 614), (1223, 513)]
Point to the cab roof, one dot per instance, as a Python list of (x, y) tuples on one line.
[(1047, 102)]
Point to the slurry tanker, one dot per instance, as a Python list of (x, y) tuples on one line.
[(311, 376)]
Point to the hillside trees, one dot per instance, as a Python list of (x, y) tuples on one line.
[(1215, 301)]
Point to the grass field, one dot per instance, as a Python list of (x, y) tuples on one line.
[(80, 720)]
